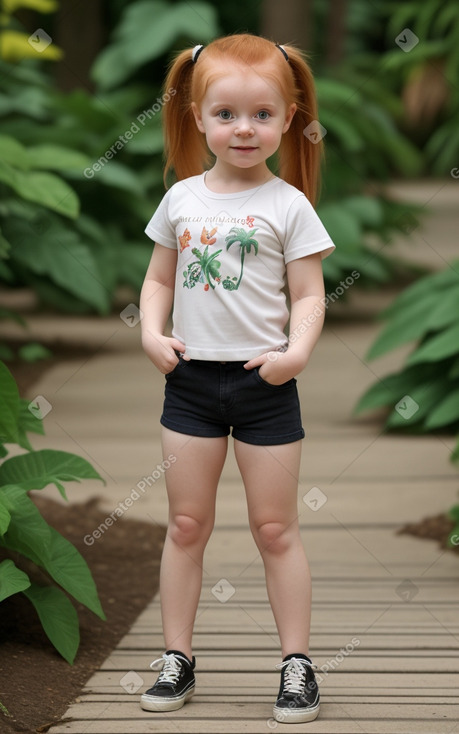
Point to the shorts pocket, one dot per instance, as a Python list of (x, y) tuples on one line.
[(172, 372), (282, 386)]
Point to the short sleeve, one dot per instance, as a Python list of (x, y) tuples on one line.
[(160, 228), (305, 234)]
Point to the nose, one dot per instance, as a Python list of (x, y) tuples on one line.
[(244, 128)]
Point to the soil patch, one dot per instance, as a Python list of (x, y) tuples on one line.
[(37, 685), (433, 528)]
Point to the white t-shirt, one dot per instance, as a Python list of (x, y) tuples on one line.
[(229, 302)]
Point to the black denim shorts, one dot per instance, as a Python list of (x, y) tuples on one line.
[(204, 398)]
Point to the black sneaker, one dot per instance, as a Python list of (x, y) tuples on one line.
[(298, 698), (175, 684)]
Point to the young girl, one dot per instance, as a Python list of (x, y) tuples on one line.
[(229, 236)]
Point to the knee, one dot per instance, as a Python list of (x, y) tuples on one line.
[(272, 537), (188, 531)]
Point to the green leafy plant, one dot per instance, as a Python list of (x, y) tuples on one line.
[(67, 245), (427, 75), (425, 312), (84, 171), (29, 546), (362, 145), (133, 44), (424, 395), (16, 45)]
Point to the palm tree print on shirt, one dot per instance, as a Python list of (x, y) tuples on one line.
[(246, 242)]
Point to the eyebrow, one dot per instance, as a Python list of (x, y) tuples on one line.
[(258, 105)]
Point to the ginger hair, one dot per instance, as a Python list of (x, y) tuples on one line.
[(186, 150)]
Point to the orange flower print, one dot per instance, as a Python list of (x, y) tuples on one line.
[(184, 239), (207, 238), (250, 221)]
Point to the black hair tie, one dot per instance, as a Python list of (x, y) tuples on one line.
[(282, 50)]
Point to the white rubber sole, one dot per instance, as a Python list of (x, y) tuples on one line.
[(157, 703), (290, 716)]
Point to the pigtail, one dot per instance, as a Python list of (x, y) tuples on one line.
[(184, 145), (299, 158)]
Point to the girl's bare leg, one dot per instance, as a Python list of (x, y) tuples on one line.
[(191, 483), (270, 475)]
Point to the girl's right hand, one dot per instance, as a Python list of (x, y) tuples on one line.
[(161, 351)]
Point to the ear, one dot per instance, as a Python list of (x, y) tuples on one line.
[(289, 117), (197, 117)]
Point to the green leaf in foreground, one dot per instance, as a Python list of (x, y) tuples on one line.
[(12, 579), (9, 406), (39, 468), (29, 533), (58, 617), (5, 517)]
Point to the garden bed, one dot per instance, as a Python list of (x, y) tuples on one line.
[(37, 685)]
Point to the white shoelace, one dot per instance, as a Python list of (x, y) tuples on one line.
[(170, 668), (295, 674)]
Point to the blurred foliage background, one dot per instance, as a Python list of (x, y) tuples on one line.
[(81, 151), (81, 82)]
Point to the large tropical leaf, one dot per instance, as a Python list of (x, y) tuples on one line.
[(13, 152), (407, 325), (440, 282), (12, 579), (135, 44), (43, 188), (65, 259), (391, 388), (442, 345), (9, 406), (446, 310), (445, 412), (57, 158), (423, 398), (5, 517), (58, 617), (29, 533), (40, 468)]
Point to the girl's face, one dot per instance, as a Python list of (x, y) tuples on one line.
[(243, 116)]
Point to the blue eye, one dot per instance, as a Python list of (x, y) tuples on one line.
[(225, 115), (263, 115)]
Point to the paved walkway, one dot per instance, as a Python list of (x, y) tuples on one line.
[(385, 625)]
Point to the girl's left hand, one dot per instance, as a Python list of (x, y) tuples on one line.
[(275, 367)]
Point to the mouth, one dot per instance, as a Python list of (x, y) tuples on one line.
[(244, 147)]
